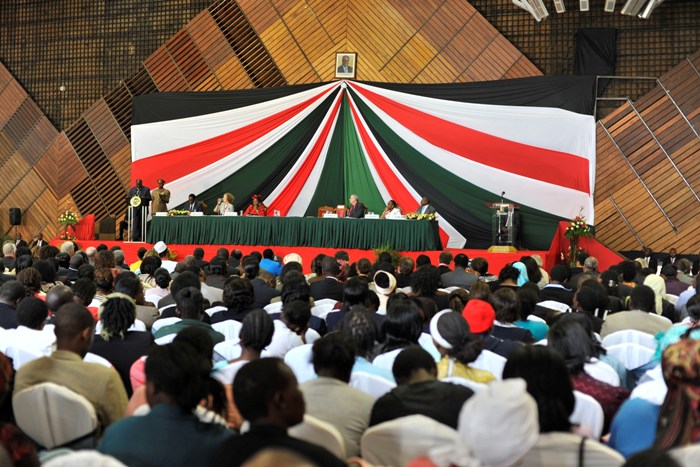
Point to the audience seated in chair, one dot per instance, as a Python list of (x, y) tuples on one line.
[(189, 304), (169, 434), (419, 391), (269, 399), (330, 398), (99, 385)]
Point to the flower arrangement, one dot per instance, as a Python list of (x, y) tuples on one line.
[(178, 212), (420, 217), (69, 217), (577, 228)]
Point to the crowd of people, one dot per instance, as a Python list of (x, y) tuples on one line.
[(215, 361)]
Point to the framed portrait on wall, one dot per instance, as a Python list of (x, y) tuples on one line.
[(346, 65)]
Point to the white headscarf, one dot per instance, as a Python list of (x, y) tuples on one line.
[(497, 427)]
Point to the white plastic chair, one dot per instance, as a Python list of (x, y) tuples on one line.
[(630, 335), (588, 412), (325, 301), (374, 385), (556, 306), (215, 309), (602, 372), (399, 441), (20, 355), (230, 329), (631, 355), (473, 385), (426, 342), (229, 349), (137, 326), (672, 298), (319, 310), (99, 360), (273, 308), (536, 319), (386, 360), (299, 360), (164, 340), (492, 362), (320, 433), (54, 416), (161, 323)]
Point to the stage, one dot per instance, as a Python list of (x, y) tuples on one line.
[(496, 260)]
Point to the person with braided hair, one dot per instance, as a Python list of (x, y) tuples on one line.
[(177, 379), (239, 298), (458, 347), (255, 335), (117, 341)]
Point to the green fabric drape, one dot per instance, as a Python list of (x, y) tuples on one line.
[(358, 178), (362, 234)]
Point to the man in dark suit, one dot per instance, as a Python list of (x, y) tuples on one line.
[(459, 277), (671, 258), (192, 204), (425, 206), (444, 260), (357, 209), (555, 290), (141, 212), (198, 254), (250, 267), (330, 286), (38, 241), (649, 260), (18, 240), (345, 66)]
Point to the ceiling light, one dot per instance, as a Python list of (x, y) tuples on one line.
[(584, 5), (651, 6), (559, 6), (632, 7), (610, 6)]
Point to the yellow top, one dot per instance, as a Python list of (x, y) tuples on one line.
[(449, 367)]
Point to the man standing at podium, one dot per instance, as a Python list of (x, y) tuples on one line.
[(161, 197), (139, 213)]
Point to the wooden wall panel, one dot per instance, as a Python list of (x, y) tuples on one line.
[(661, 141), (245, 44)]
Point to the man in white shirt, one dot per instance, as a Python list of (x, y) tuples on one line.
[(290, 329), (29, 335), (162, 250)]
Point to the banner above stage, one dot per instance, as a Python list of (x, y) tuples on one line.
[(306, 146)]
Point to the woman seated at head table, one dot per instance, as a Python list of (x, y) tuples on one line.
[(224, 204), (257, 208), (391, 210)]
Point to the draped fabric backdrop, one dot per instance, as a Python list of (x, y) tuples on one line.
[(306, 146)]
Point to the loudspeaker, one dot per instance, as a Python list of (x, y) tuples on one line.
[(15, 216)]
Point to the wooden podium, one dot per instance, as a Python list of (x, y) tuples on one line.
[(504, 228)]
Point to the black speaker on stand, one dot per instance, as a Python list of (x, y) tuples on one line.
[(15, 218)]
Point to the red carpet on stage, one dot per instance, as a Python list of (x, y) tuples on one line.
[(496, 260), (605, 256)]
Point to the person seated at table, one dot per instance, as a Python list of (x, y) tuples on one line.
[(192, 204), (391, 210), (357, 209), (257, 208), (224, 204)]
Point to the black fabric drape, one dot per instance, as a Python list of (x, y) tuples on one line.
[(596, 54), (162, 106), (574, 93)]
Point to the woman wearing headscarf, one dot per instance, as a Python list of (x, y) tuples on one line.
[(679, 418), (257, 208), (663, 306), (458, 347), (523, 276)]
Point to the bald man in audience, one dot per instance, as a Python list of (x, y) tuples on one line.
[(100, 385), (58, 296)]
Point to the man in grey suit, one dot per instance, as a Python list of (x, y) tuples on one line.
[(459, 277), (425, 207)]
